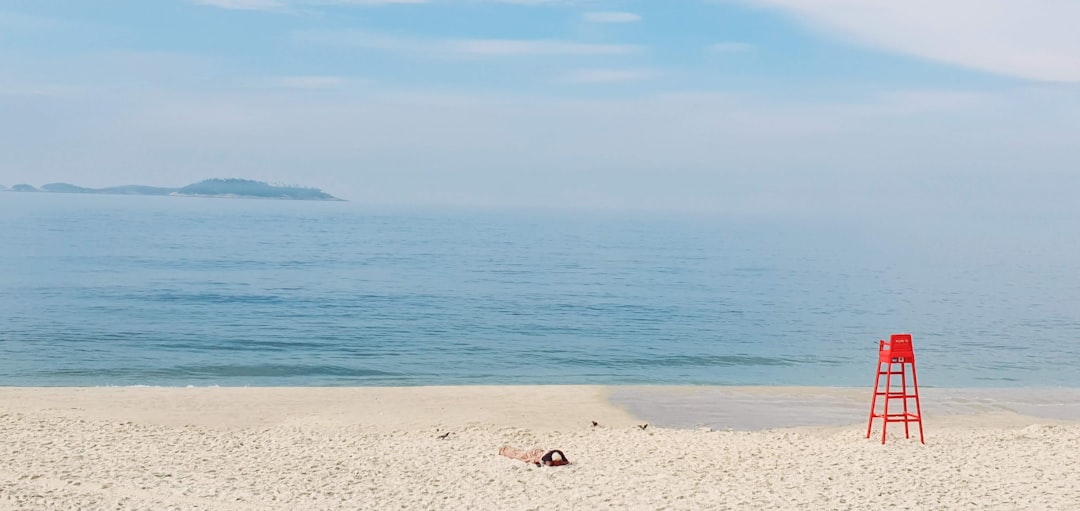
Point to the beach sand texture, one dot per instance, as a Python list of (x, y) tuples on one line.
[(368, 448)]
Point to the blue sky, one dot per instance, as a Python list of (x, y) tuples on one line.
[(716, 106)]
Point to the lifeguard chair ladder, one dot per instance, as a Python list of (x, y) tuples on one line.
[(897, 351)]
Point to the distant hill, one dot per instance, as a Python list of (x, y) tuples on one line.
[(225, 188), (249, 188), (112, 190)]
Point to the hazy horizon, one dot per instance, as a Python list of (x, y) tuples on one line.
[(776, 107)]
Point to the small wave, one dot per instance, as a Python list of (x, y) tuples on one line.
[(213, 298), (684, 361), (223, 371)]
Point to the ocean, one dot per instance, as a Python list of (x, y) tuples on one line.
[(129, 290)]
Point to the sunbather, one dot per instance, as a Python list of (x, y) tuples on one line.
[(537, 457)]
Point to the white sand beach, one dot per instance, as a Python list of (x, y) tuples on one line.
[(380, 448)]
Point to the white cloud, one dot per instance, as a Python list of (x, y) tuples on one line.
[(459, 47), (611, 17), (531, 2), (605, 75), (365, 2), (281, 5), (731, 47), (244, 5), (1033, 39), (312, 82), (496, 47)]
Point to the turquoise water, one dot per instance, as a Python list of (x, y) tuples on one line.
[(107, 290)]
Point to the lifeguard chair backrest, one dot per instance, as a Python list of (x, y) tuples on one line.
[(899, 345)]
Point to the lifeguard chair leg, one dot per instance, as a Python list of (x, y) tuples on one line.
[(918, 407), (885, 414), (873, 400), (903, 388)]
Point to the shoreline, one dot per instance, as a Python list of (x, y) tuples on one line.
[(543, 407), (267, 448)]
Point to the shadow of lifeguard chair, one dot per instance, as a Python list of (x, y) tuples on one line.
[(896, 352)]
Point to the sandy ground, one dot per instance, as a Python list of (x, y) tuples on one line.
[(436, 448)]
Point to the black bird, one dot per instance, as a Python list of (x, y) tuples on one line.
[(643, 426), (595, 424), (443, 436)]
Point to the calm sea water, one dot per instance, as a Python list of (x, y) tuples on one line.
[(106, 290)]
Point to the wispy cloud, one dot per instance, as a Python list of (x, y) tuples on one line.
[(1035, 39), (281, 5), (731, 47), (586, 76), (496, 47), (366, 2), (459, 47), (312, 82), (531, 2), (611, 17), (243, 5)]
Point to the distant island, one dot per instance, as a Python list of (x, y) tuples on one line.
[(220, 188)]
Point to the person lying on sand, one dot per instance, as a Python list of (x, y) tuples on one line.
[(537, 457)]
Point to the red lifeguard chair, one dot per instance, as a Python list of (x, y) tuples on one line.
[(897, 351)]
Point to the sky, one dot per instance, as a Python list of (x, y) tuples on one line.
[(709, 106)]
